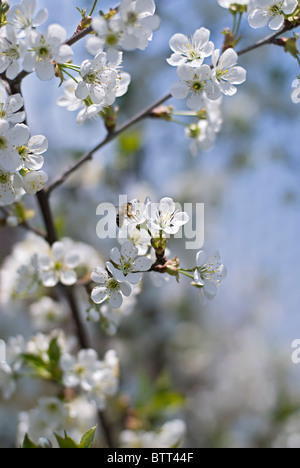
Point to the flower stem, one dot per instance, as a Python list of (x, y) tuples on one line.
[(93, 8), (185, 273)]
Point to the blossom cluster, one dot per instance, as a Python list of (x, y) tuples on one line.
[(49, 355), (101, 80), (21, 157)]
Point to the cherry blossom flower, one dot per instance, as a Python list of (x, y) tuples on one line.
[(58, 266), (113, 285), (105, 381), (12, 50), (10, 108), (34, 182), (108, 37), (80, 370), (46, 314), (46, 49), (28, 276), (10, 140), (22, 16), (272, 12), (191, 51), (129, 263), (164, 216), (102, 80), (295, 95), (225, 72), (209, 273), (139, 237), (196, 85), (10, 183), (31, 152), (139, 21), (72, 103)]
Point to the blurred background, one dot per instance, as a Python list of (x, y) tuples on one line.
[(225, 367)]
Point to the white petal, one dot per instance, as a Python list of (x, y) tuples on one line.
[(19, 135), (126, 289), (115, 255), (134, 278), (179, 42), (99, 275), (201, 258), (128, 251), (45, 70), (116, 300), (258, 18), (277, 22), (99, 294), (142, 264), (49, 279), (179, 91), (68, 277), (58, 251)]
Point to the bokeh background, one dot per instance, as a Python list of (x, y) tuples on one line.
[(225, 368)]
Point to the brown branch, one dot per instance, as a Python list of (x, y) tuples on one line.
[(110, 137), (271, 39), (78, 36)]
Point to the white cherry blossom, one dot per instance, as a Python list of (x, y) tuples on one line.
[(72, 103), (80, 370), (164, 216), (225, 72), (129, 263), (191, 51), (10, 140), (271, 12), (34, 182), (10, 184), (23, 16), (209, 273), (45, 49), (12, 50), (59, 266), (108, 37), (28, 276), (139, 21), (31, 152), (102, 80), (195, 84), (10, 108), (113, 285), (46, 314), (139, 237)]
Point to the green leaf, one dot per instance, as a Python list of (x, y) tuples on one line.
[(65, 442), (54, 351), (33, 360), (88, 439), (28, 444)]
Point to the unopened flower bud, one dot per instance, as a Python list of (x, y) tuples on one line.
[(162, 112)]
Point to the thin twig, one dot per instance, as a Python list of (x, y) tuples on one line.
[(110, 137), (78, 36)]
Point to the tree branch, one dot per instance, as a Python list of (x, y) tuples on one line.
[(110, 137)]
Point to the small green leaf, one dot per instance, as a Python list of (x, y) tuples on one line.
[(65, 442), (54, 351), (28, 444), (88, 439)]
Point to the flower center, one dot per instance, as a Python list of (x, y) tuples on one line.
[(111, 40), (43, 52), (113, 284), (275, 10), (4, 178), (132, 18)]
